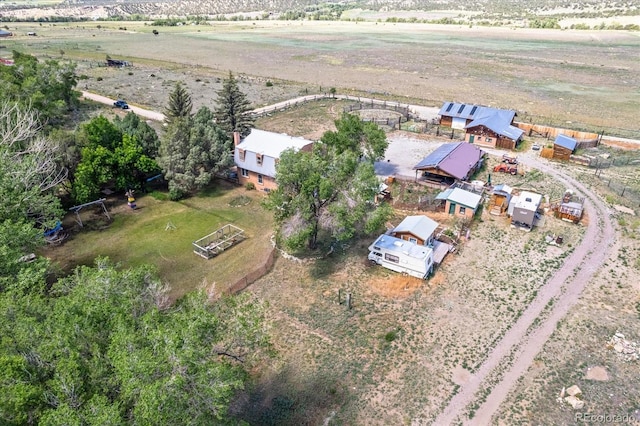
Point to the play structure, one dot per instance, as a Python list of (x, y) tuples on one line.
[(76, 209), (218, 241)]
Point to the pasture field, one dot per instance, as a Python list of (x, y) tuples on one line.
[(575, 78)]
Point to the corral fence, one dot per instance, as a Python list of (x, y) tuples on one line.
[(381, 105), (258, 272), (620, 187)]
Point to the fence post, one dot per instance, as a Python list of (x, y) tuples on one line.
[(623, 189)]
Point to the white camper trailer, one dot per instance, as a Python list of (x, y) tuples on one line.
[(402, 256)]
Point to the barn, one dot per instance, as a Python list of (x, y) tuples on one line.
[(563, 147)]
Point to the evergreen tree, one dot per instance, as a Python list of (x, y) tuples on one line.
[(233, 112), (180, 104), (192, 152), (145, 135)]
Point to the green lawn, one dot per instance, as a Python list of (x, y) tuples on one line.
[(140, 236)]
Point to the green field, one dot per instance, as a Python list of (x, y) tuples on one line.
[(160, 233)]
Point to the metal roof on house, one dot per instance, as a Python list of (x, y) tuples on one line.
[(566, 142), (4, 33), (499, 121), (454, 109), (465, 198), (271, 144), (528, 201), (420, 226), (455, 159), (400, 246)]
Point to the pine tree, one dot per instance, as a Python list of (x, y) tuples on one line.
[(180, 104), (232, 112)]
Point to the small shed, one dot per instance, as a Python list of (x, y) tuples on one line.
[(500, 197), (570, 209), (525, 207), (417, 229), (460, 202), (4, 33), (563, 147)]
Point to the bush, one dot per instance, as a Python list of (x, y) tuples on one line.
[(99, 78), (175, 194), (130, 73), (250, 186), (269, 84)]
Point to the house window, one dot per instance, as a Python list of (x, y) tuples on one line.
[(245, 172), (241, 154), (260, 179), (462, 210), (259, 159), (413, 240), (391, 258), (488, 139)]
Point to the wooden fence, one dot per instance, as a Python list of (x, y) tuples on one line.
[(254, 275)]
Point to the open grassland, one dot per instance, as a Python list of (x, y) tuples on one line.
[(160, 233), (578, 76)]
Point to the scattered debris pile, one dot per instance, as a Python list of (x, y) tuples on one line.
[(572, 396), (626, 349)]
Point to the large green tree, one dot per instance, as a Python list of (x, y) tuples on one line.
[(48, 87), (143, 133), (233, 109), (180, 104), (330, 191), (108, 156), (103, 346), (193, 150)]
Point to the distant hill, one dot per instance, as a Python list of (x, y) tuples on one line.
[(483, 12)]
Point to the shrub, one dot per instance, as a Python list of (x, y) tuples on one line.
[(130, 73), (250, 186), (99, 78), (269, 84)]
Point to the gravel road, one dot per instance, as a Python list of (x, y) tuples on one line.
[(523, 341), (151, 115)]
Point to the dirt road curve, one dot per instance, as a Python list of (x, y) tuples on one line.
[(523, 344), (151, 115)]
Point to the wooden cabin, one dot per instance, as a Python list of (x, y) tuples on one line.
[(563, 147)]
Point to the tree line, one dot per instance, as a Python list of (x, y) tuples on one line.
[(103, 345)]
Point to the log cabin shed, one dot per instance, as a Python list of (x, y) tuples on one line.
[(563, 147), (451, 162), (485, 126)]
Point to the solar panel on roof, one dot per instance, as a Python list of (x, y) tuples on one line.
[(473, 110), (461, 108), (450, 106)]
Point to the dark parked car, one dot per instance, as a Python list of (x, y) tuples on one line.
[(121, 104)]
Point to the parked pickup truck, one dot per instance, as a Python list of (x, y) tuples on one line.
[(506, 158), (121, 104)]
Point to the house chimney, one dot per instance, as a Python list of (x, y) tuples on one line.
[(236, 138)]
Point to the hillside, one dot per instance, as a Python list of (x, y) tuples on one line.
[(538, 13)]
